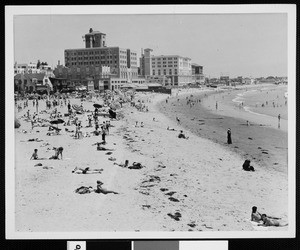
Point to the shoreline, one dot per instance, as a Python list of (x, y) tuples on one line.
[(254, 142)]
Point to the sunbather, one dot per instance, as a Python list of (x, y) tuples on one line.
[(257, 217), (123, 165), (182, 135), (267, 222), (103, 190), (87, 171), (136, 165)]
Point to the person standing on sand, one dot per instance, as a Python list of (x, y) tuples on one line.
[(103, 134), (216, 105), (229, 141), (279, 121)]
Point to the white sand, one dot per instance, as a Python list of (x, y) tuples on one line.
[(213, 191)]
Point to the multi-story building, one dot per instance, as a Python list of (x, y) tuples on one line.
[(170, 70), (122, 62), (177, 70), (197, 74)]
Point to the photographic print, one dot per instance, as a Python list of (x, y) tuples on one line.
[(150, 121)]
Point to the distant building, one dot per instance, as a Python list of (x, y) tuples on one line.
[(169, 70), (96, 55), (197, 74), (36, 82), (224, 80), (31, 68)]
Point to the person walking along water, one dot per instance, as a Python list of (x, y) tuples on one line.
[(229, 141)]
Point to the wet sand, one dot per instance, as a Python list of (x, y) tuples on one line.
[(258, 142)]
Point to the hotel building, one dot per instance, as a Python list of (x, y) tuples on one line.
[(171, 70), (122, 62)]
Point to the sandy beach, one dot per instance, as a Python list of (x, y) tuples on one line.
[(200, 179)]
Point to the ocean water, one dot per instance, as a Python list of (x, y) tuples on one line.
[(265, 101)]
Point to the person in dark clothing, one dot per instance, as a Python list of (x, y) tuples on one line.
[(247, 167), (229, 141)]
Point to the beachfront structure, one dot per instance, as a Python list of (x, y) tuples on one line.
[(176, 70), (170, 70), (197, 74), (31, 68), (122, 62), (32, 82)]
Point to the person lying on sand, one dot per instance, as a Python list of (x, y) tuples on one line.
[(172, 129), (87, 171), (58, 151), (136, 165), (182, 135), (101, 190), (36, 139), (100, 148), (123, 165), (268, 222)]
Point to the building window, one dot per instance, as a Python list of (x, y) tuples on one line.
[(159, 72), (170, 71), (175, 72), (153, 72), (165, 71)]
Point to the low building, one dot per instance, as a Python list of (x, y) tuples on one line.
[(28, 83)]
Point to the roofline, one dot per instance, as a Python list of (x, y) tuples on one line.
[(173, 56)]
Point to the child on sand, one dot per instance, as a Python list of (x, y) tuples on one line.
[(34, 155)]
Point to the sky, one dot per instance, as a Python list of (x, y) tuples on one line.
[(249, 45)]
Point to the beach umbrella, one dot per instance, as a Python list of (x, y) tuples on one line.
[(77, 108), (57, 121), (96, 105)]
